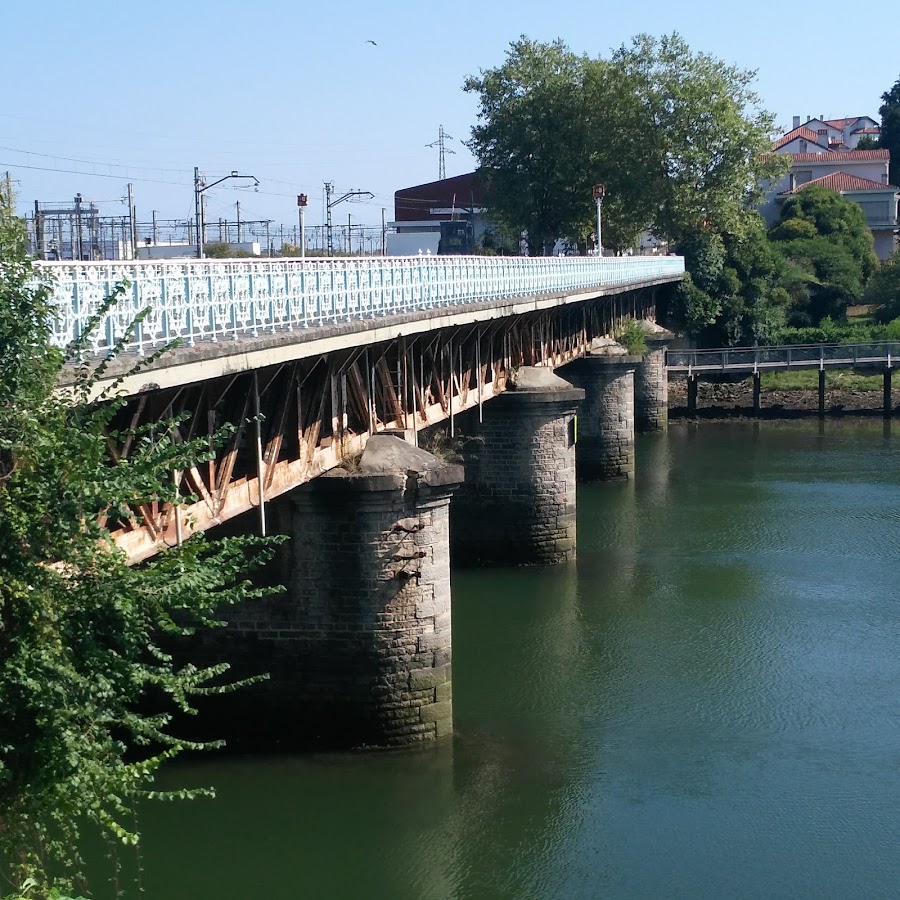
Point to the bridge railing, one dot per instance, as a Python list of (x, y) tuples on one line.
[(799, 356), (209, 300)]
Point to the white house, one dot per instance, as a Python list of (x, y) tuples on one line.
[(837, 134), (821, 153)]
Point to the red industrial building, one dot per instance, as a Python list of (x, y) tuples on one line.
[(443, 216)]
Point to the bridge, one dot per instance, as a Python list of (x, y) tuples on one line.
[(320, 362), (878, 355)]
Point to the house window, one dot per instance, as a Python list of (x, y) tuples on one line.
[(801, 176), (802, 146), (822, 132)]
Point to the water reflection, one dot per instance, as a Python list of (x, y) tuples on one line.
[(703, 706)]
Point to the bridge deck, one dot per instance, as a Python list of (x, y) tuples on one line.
[(211, 300), (773, 359)]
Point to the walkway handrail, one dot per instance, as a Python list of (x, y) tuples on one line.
[(805, 356), (207, 300)]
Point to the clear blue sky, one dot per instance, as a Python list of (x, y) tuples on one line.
[(291, 93)]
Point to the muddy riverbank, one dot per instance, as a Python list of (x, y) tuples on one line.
[(727, 401)]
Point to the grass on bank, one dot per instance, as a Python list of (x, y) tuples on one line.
[(835, 379)]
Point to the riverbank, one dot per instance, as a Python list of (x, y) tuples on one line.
[(786, 395)]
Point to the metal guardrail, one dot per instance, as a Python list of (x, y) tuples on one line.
[(208, 300), (799, 356)]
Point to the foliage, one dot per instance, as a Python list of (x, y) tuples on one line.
[(867, 142), (87, 692), (677, 138), (826, 238), (705, 136), (890, 129), (737, 290), (532, 132), (835, 379), (632, 337), (221, 250), (828, 331), (883, 290)]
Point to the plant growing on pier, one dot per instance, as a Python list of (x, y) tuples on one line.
[(632, 337), (87, 689)]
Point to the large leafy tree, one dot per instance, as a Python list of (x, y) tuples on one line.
[(532, 133), (81, 631), (678, 139), (826, 238), (703, 133), (890, 128), (883, 290), (737, 289)]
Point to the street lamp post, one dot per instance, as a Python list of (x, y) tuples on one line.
[(302, 202), (199, 188), (599, 192)]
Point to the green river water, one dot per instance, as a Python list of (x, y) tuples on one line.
[(706, 705)]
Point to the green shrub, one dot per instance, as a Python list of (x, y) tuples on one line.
[(632, 337)]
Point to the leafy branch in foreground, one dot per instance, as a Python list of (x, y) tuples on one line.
[(87, 689)]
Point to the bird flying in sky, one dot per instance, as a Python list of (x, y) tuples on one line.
[(372, 43)]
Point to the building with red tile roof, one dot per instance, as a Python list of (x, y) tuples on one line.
[(822, 151)]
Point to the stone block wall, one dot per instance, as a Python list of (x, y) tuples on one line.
[(651, 390), (605, 447), (517, 505), (358, 649)]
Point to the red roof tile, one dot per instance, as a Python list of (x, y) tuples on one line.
[(841, 123), (866, 131), (801, 132), (833, 156), (844, 181)]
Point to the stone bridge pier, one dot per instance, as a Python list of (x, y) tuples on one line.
[(605, 444), (651, 383), (359, 647), (517, 506)]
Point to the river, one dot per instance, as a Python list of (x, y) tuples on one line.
[(705, 705)]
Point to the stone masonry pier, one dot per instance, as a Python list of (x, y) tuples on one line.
[(605, 447), (359, 647), (651, 384), (517, 506)]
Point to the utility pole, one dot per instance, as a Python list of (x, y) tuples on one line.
[(441, 144), (78, 224), (155, 229), (383, 234), (7, 189), (329, 193), (329, 203), (131, 221), (200, 186), (237, 206)]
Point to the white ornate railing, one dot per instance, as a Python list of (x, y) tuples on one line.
[(207, 300)]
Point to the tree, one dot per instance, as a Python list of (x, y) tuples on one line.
[(678, 139), (530, 137), (827, 239), (890, 129), (883, 290), (736, 293), (867, 142), (705, 136), (81, 631)]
